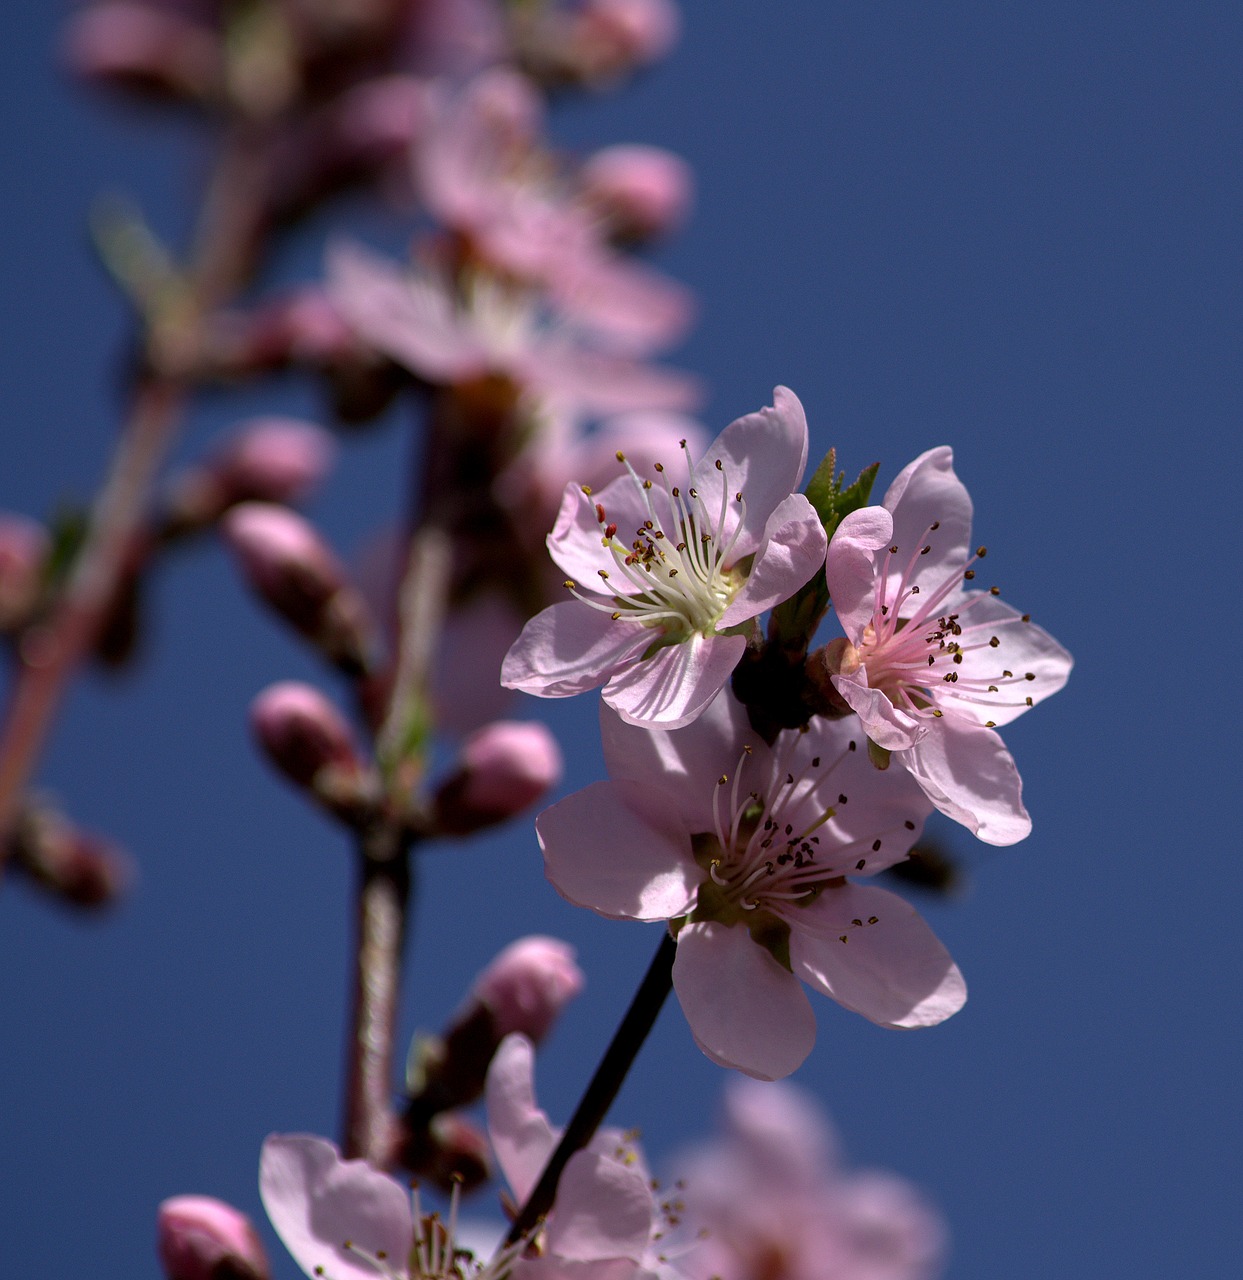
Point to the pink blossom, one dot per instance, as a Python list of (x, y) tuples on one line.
[(933, 667), (746, 849), (559, 453), (771, 1199), (484, 172), (343, 1220), (605, 1223), (452, 335), (200, 1238), (689, 565)]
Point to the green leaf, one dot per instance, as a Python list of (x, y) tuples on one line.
[(831, 501)]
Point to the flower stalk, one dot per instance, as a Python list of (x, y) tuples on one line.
[(618, 1058)]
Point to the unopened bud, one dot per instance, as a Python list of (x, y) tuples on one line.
[(24, 547), (526, 987), (79, 867), (144, 49), (616, 36), (303, 734), (275, 460), (286, 561), (504, 768), (199, 1238), (266, 460), (643, 192)]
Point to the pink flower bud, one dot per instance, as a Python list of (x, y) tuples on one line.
[(292, 568), (147, 50), (643, 191), (617, 35), (199, 1238), (524, 989), (302, 732), (24, 548), (528, 985), (504, 768), (276, 460)]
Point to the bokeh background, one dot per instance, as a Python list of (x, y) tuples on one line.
[(1009, 228)]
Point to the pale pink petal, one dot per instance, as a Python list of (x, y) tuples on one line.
[(851, 566), (925, 492), (763, 456), (598, 383), (570, 647), (671, 688), (744, 1009), (521, 1134), (1039, 664), (317, 1202), (780, 1137), (882, 722), (872, 952), (639, 309), (603, 1210), (405, 316), (576, 541), (684, 763), (792, 549), (969, 775), (463, 162), (600, 853)]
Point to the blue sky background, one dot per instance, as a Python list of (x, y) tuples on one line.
[(1012, 229)]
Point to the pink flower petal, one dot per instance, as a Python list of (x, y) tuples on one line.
[(402, 315), (744, 1009), (882, 722), (600, 853), (924, 492), (792, 550), (570, 647), (603, 1210), (317, 1201), (969, 775), (1023, 648), (762, 455), (891, 967), (851, 567), (681, 763), (671, 688), (522, 1136)]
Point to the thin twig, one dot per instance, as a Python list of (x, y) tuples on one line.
[(592, 1108)]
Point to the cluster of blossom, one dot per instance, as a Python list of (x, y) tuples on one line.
[(752, 845), (760, 776)]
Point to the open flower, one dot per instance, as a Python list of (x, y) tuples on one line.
[(606, 1223), (678, 568), (344, 1220), (451, 335), (770, 1198), (747, 849), (932, 667)]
